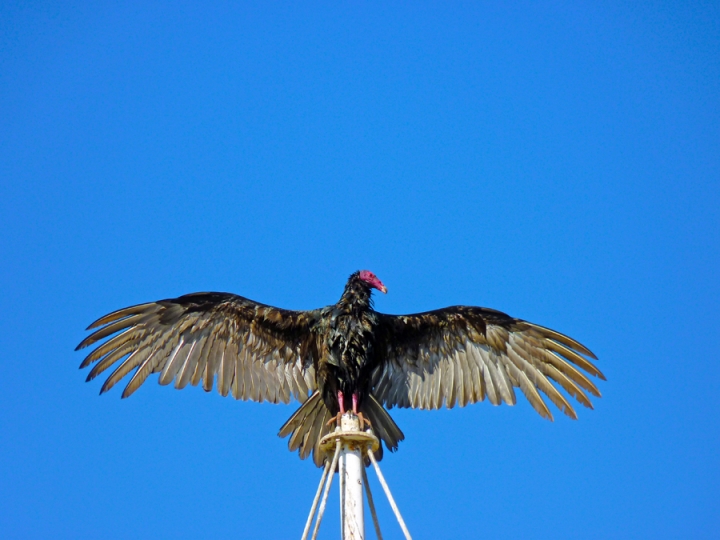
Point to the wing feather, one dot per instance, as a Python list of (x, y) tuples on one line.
[(448, 376), (571, 372), (113, 356), (202, 360), (528, 388), (121, 314), (462, 355), (490, 381), (437, 388), (187, 368), (226, 367), (213, 362), (574, 357), (541, 382), (173, 362), (111, 329), (505, 383), (462, 368), (109, 346), (475, 363), (256, 351), (130, 363), (246, 373), (568, 385), (145, 366)]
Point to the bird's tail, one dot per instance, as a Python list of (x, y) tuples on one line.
[(309, 424), (306, 427), (382, 424)]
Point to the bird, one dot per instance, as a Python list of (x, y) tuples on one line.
[(340, 358)]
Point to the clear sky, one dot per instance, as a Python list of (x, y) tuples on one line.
[(560, 163)]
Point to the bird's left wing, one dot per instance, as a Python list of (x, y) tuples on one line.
[(459, 355), (255, 351)]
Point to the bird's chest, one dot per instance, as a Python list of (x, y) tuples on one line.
[(350, 344)]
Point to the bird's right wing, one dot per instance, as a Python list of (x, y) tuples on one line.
[(255, 351)]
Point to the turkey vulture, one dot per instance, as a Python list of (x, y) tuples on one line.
[(342, 357)]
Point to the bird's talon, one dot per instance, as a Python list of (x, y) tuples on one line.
[(363, 421)]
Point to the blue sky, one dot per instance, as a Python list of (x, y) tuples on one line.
[(560, 163)]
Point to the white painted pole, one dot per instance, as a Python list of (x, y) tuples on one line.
[(321, 511), (385, 487), (316, 500), (352, 517), (349, 444)]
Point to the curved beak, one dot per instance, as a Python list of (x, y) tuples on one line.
[(382, 289)]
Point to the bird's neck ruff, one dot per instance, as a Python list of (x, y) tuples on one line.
[(357, 294)]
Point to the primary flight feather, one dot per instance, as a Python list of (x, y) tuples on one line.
[(342, 357)]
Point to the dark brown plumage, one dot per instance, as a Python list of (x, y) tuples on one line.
[(341, 357)]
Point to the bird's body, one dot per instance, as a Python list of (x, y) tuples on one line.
[(342, 357), (349, 354)]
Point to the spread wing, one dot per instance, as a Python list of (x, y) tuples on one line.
[(255, 351), (463, 354)]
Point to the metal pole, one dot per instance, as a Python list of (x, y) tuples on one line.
[(371, 504), (316, 500), (321, 511), (350, 446), (351, 494), (385, 487)]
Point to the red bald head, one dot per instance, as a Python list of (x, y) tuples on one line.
[(371, 279)]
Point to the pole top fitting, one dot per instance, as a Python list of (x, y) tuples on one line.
[(349, 435)]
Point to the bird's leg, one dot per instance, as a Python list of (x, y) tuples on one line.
[(360, 416), (341, 404)]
